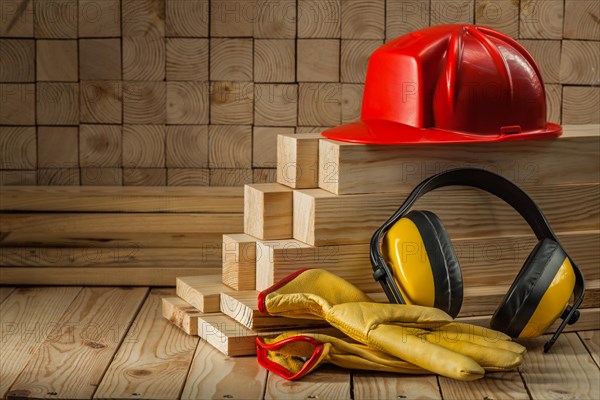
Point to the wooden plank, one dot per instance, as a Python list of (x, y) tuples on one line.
[(325, 383), (380, 385), (5, 291), (227, 335), (484, 261), (215, 376), (322, 218), (71, 362), (98, 276), (346, 168), (567, 371), (497, 385), (239, 261), (181, 314), (120, 223), (591, 340), (576, 58), (268, 211), (28, 318), (242, 306), (298, 160), (202, 292), (154, 358)]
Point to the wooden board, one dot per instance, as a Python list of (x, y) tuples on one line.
[(154, 358), (5, 291), (72, 361), (215, 376), (322, 218), (267, 211), (181, 314), (298, 160), (591, 340), (346, 168), (497, 385), (22, 317), (227, 335), (486, 261), (380, 385), (202, 292), (239, 261), (325, 383)]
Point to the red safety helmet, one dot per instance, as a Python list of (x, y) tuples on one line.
[(450, 84)]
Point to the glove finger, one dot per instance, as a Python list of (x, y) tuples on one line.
[(450, 333), (478, 330)]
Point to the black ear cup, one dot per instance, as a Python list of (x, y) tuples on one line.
[(446, 271), (530, 285)]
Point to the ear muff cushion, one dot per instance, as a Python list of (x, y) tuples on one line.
[(529, 287), (447, 276)]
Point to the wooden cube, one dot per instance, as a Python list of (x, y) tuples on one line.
[(187, 59), (56, 19), (363, 20), (231, 60), (187, 18), (188, 177), (57, 103), (57, 60), (58, 177), (581, 20), (144, 58), (500, 15), (230, 177), (274, 60), (232, 18), (355, 58), (352, 95), (187, 147), (17, 60), (546, 54), (230, 146), (17, 104), (275, 105), (58, 147), (264, 146), (100, 146), (231, 103), (580, 105), (405, 16), (101, 176), (275, 19), (144, 177), (100, 59), (320, 104), (452, 12), (99, 18), (553, 102), (319, 19), (143, 146), (318, 60), (239, 261), (541, 19), (187, 103), (143, 18), (101, 102), (579, 62), (268, 211), (18, 148), (16, 19), (144, 103), (298, 160)]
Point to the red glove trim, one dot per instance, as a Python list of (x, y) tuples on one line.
[(262, 295), (264, 361)]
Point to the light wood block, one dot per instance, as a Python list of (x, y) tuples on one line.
[(324, 218), (232, 18), (187, 103), (275, 20), (319, 19), (581, 20), (144, 102), (18, 148), (101, 176), (484, 262), (17, 104), (363, 20), (546, 55), (187, 146), (99, 59), (502, 16), (298, 160), (57, 103), (143, 18), (83, 351), (275, 105), (230, 146), (143, 58), (154, 358), (227, 335), (347, 168), (264, 146), (264, 175), (101, 102), (355, 58), (580, 105), (144, 176), (58, 176), (17, 19), (188, 177), (181, 314), (231, 60), (268, 211), (231, 177), (405, 16), (100, 146), (274, 60), (327, 382), (239, 261), (202, 292), (318, 60), (187, 59), (352, 95), (187, 18), (320, 104), (56, 19), (452, 12), (99, 18), (143, 146), (541, 19), (577, 62), (58, 147), (232, 103), (17, 59)]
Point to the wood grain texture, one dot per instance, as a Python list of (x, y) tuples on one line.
[(230, 146), (187, 59), (57, 147), (554, 102), (232, 103), (5, 291), (154, 358), (232, 18), (99, 18), (264, 145), (581, 20), (577, 62), (17, 104), (452, 12), (275, 105), (326, 383), (239, 261), (58, 177), (347, 168), (227, 335), (323, 218), (362, 20), (99, 59), (17, 60), (57, 103), (188, 177), (233, 177), (18, 178), (543, 372), (355, 58), (502, 16), (202, 292), (319, 104), (405, 16), (319, 19), (17, 19), (379, 385), (541, 19), (18, 148), (298, 160), (546, 54), (264, 175), (498, 385), (352, 95), (181, 314), (143, 146), (318, 60), (143, 18), (268, 211), (187, 146), (187, 18), (101, 102), (55, 19), (274, 60), (274, 20), (100, 146), (187, 103), (71, 362), (144, 102), (591, 340), (580, 105), (213, 375), (231, 60), (143, 58), (27, 315)]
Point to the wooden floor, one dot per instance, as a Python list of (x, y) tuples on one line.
[(85, 342)]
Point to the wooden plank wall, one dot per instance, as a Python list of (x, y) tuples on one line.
[(194, 92)]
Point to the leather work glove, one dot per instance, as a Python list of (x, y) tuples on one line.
[(423, 336), (292, 355)]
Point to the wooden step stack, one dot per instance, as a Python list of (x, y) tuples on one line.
[(330, 197)]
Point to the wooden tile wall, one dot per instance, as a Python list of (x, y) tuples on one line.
[(194, 92)]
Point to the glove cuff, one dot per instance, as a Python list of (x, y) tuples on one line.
[(263, 295), (263, 349)]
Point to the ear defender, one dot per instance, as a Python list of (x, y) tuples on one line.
[(539, 295), (423, 262)]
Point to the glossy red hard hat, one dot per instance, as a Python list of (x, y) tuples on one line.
[(450, 84)]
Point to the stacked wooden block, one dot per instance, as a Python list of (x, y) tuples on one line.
[(331, 196)]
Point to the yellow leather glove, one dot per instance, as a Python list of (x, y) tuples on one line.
[(292, 355), (423, 336)]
